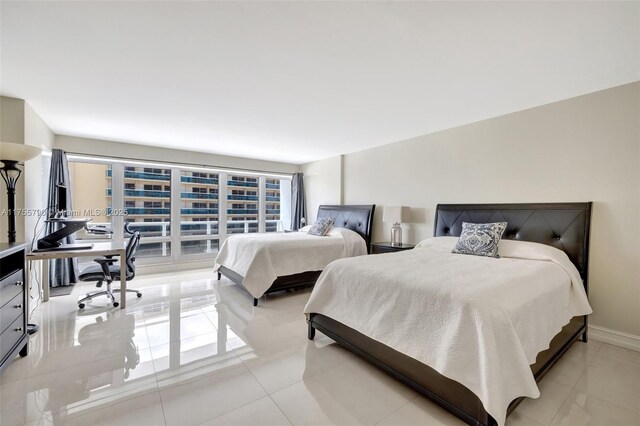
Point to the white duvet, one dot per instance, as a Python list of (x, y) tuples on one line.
[(261, 258), (476, 320)]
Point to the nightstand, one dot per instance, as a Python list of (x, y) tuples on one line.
[(386, 247)]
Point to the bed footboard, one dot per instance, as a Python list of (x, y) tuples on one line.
[(447, 393)]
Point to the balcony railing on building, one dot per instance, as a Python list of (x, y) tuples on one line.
[(162, 211), (144, 175), (152, 231), (148, 193), (206, 181), (243, 184)]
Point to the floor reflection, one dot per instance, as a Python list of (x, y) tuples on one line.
[(87, 358)]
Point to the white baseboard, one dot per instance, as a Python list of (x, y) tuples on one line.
[(175, 267), (613, 337)]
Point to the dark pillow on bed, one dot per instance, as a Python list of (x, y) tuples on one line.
[(321, 227), (480, 239)]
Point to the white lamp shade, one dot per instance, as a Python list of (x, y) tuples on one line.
[(17, 152), (396, 214)]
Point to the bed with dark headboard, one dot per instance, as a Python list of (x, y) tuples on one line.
[(561, 225), (357, 218)]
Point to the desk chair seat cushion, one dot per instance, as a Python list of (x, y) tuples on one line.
[(94, 273)]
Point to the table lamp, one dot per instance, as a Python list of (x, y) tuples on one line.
[(10, 155), (397, 215)]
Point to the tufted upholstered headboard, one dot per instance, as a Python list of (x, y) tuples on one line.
[(356, 218), (564, 226)]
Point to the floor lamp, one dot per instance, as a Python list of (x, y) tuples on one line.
[(10, 155)]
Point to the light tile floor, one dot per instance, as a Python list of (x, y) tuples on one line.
[(193, 350)]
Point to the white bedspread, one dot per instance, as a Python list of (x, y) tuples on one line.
[(261, 258), (477, 320)]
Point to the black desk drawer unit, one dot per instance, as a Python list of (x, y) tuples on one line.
[(13, 303), (12, 335), (10, 311), (11, 286)]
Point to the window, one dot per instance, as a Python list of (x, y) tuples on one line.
[(149, 208), (199, 246), (272, 205), (198, 212), (144, 192), (157, 171), (242, 208)]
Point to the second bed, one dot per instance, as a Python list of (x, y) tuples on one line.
[(270, 262)]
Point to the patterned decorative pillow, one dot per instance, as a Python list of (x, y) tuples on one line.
[(321, 227), (480, 239)]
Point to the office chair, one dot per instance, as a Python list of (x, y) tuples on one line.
[(106, 271)]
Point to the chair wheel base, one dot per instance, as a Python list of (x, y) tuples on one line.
[(116, 304), (139, 294), (81, 305)]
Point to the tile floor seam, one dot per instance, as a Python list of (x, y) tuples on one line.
[(589, 364), (282, 411), (208, 319), (534, 421), (637, 410), (243, 405), (234, 409), (297, 381), (395, 411), (150, 391), (595, 355), (164, 414), (599, 399)]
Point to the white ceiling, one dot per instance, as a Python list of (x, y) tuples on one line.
[(296, 82)]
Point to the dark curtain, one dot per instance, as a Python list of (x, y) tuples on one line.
[(62, 272), (298, 206)]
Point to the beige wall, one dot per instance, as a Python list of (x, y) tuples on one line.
[(142, 152), (322, 184), (11, 130), (582, 149), (19, 123), (11, 120), (36, 133)]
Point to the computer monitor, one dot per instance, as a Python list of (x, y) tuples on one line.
[(61, 200)]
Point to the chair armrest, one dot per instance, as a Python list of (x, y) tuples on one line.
[(105, 260)]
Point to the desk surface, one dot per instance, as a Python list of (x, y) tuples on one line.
[(98, 249), (108, 248)]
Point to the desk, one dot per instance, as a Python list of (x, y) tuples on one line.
[(99, 249)]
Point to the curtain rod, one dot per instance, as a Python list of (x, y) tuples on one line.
[(178, 164)]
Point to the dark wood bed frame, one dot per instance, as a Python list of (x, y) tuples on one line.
[(358, 218), (561, 225)]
